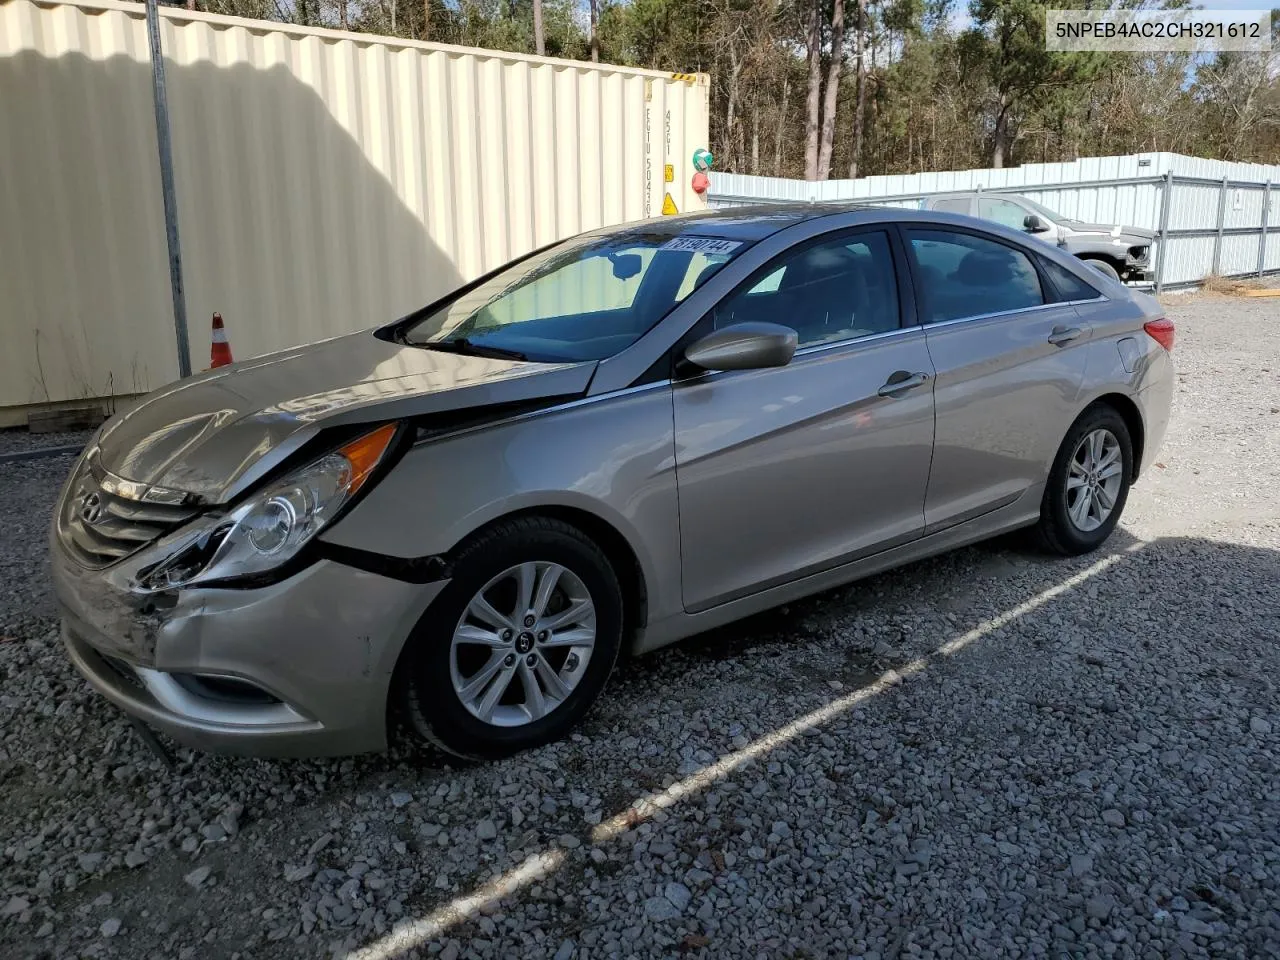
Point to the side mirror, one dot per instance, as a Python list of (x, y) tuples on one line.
[(1033, 224), (744, 346)]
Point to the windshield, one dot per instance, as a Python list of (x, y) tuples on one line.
[(1044, 211), (585, 299)]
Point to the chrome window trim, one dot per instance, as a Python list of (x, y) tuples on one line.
[(1008, 313), (813, 348)]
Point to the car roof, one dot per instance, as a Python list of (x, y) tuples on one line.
[(750, 222), (755, 222)]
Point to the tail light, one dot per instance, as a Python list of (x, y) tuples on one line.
[(1161, 331)]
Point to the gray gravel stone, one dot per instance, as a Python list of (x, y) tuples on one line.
[(678, 894), (660, 909), (1099, 908), (1188, 923)]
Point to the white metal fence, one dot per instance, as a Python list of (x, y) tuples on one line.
[(1211, 217)]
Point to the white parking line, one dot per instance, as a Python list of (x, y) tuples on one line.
[(405, 937)]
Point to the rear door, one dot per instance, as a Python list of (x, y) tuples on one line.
[(788, 471), (1010, 364)]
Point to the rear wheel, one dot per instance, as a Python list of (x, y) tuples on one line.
[(1102, 266), (1088, 484), (518, 646)]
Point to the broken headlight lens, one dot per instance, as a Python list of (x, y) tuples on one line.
[(268, 529)]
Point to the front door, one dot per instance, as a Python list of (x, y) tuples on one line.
[(1010, 364), (788, 471)]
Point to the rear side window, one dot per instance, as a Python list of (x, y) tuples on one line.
[(837, 289), (962, 275), (952, 205), (1067, 284)]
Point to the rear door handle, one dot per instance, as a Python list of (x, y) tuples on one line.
[(1064, 335), (901, 382)]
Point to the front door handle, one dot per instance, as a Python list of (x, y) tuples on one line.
[(1064, 335), (901, 382)]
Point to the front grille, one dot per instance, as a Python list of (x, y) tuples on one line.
[(1139, 253), (100, 527)]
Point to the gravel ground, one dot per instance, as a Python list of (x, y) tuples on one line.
[(1001, 755), (19, 440)]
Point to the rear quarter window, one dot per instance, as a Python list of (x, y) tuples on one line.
[(1067, 285)]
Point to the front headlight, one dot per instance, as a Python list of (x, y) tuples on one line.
[(272, 526)]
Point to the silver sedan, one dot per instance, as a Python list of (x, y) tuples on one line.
[(460, 520)]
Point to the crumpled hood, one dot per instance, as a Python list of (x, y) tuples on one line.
[(1134, 234), (208, 435)]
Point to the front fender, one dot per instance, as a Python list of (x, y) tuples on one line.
[(612, 457)]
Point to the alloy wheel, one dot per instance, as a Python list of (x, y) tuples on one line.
[(522, 644), (1094, 478)]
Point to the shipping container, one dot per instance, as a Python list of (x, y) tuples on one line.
[(326, 181)]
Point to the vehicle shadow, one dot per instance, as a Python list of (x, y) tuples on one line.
[(952, 584), (841, 639)]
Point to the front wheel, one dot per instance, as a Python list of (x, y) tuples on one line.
[(1088, 483), (518, 646)]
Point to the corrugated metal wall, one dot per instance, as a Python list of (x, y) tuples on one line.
[(1127, 190), (326, 181)]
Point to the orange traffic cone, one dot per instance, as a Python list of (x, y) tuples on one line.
[(220, 352)]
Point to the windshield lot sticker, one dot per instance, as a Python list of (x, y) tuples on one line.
[(702, 245)]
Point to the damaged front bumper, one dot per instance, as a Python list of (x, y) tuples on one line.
[(298, 668)]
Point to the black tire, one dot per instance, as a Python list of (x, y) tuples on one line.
[(1056, 530), (1103, 266), (431, 707)]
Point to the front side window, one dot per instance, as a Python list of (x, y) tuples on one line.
[(833, 290), (962, 275), (584, 299), (1002, 211)]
